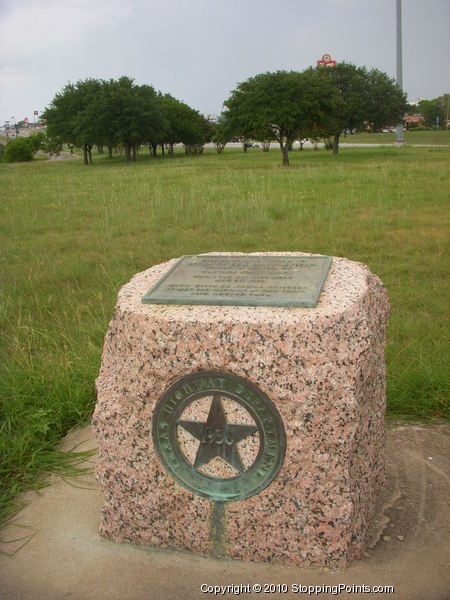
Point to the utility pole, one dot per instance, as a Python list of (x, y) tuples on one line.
[(399, 141)]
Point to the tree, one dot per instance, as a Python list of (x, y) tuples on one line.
[(130, 114), (177, 115), (106, 110), (437, 107), (350, 111), (284, 104), (71, 116), (364, 97), (220, 134), (386, 101), (153, 118)]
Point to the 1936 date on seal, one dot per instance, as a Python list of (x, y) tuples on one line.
[(219, 435)]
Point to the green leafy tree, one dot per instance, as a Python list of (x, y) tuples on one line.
[(284, 104), (104, 110), (154, 121), (220, 134), (351, 108), (386, 101), (138, 116), (71, 116), (196, 133), (179, 118), (129, 113), (437, 107), (363, 97)]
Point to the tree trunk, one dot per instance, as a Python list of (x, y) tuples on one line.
[(127, 153), (162, 149), (284, 151), (336, 144), (89, 149), (134, 152), (85, 154), (171, 149), (154, 148), (110, 151), (100, 149)]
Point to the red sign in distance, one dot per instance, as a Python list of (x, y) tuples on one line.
[(326, 61)]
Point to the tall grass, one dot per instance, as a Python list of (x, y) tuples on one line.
[(72, 235)]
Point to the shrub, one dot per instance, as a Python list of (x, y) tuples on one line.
[(19, 150)]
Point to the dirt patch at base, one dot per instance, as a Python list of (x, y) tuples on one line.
[(61, 156)]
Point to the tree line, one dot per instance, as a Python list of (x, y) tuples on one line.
[(318, 103), (119, 113), (282, 106)]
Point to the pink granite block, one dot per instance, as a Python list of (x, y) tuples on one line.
[(323, 368)]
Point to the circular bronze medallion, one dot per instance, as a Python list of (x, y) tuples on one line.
[(219, 435)]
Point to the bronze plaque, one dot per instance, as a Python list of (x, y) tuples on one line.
[(247, 280), (219, 435)]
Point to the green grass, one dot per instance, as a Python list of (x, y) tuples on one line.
[(72, 235), (439, 138)]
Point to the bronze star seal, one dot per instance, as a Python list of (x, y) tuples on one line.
[(216, 435)]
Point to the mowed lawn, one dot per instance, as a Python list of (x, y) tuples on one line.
[(72, 235), (413, 137)]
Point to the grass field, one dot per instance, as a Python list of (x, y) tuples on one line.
[(72, 235), (440, 138)]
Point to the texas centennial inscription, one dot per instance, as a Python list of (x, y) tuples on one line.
[(213, 415), (237, 280)]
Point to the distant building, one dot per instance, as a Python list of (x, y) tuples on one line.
[(413, 120)]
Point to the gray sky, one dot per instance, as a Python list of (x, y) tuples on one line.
[(199, 49)]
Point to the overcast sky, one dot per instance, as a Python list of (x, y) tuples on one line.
[(199, 49)]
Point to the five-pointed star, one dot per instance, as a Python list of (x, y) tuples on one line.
[(217, 437)]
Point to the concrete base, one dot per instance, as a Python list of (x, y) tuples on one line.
[(58, 553)]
